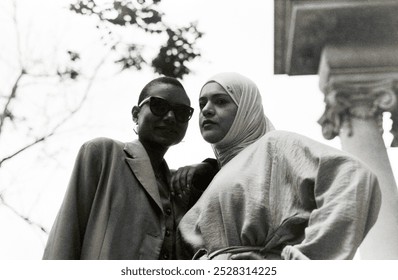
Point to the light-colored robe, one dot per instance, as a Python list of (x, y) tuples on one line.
[(289, 195)]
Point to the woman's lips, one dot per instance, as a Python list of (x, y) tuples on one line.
[(208, 123)]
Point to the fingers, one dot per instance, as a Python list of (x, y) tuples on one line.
[(181, 180), (175, 182), (189, 177), (173, 178)]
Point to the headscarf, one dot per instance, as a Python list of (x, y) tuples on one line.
[(250, 121)]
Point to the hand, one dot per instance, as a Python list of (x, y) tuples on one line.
[(247, 256), (197, 175), (182, 179)]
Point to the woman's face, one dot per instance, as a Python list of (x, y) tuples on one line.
[(217, 112), (164, 131)]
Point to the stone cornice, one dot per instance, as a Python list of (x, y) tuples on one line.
[(304, 27)]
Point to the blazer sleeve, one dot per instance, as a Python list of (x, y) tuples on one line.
[(66, 236), (343, 198)]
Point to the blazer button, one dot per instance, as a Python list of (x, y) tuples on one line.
[(168, 211), (167, 232)]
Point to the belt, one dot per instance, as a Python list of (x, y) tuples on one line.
[(225, 253)]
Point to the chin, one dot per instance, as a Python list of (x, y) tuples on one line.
[(210, 137), (169, 142)]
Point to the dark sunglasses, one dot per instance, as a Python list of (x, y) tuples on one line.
[(160, 107)]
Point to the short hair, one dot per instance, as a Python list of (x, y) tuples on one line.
[(158, 81)]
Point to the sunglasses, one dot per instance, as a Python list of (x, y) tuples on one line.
[(160, 107)]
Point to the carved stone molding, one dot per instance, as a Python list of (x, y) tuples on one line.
[(357, 99), (394, 128)]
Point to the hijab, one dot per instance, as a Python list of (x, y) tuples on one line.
[(250, 122)]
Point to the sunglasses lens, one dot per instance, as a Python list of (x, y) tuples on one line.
[(161, 107), (182, 113)]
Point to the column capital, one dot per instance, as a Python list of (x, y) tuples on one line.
[(357, 99), (363, 85), (394, 128)]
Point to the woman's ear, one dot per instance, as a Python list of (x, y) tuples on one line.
[(134, 113)]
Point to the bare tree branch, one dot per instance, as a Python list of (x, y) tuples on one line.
[(12, 95), (41, 139), (74, 111), (25, 218)]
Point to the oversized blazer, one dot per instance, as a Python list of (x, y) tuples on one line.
[(112, 207)]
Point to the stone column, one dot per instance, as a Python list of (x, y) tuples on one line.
[(360, 83)]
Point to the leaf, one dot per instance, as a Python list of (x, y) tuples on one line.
[(178, 50)]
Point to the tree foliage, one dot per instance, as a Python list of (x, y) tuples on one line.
[(143, 15)]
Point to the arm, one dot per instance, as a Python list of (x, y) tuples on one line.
[(190, 181), (342, 196), (333, 196), (66, 237)]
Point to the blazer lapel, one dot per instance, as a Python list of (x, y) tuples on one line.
[(141, 166)]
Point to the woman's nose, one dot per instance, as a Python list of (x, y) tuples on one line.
[(208, 110)]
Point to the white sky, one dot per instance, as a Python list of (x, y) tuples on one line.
[(238, 37)]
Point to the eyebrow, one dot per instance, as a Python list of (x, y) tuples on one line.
[(215, 95)]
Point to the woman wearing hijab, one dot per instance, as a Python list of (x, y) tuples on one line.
[(278, 195)]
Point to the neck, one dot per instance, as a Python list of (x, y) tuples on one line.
[(226, 153), (156, 154)]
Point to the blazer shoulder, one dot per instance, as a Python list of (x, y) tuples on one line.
[(102, 144)]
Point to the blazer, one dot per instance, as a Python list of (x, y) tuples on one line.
[(112, 207)]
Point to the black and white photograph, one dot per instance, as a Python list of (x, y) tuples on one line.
[(178, 130)]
